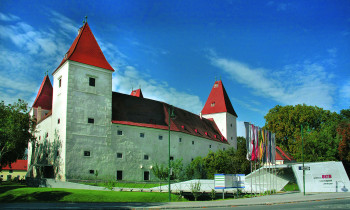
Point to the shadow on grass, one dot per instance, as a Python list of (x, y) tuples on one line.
[(5, 188), (36, 197)]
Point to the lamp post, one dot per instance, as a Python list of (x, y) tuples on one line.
[(302, 154), (171, 116)]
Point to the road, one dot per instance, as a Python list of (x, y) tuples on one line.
[(328, 204)]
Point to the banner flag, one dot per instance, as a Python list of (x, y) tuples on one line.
[(269, 150), (253, 143), (247, 138), (257, 142), (273, 147)]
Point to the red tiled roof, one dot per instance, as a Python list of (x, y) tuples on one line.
[(218, 101), (44, 97), (282, 155), (19, 165), (142, 112), (85, 49), (137, 93)]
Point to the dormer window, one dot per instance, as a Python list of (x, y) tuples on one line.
[(212, 104), (92, 81)]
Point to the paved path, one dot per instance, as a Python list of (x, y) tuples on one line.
[(281, 198)]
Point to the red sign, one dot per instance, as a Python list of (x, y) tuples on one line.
[(326, 176)]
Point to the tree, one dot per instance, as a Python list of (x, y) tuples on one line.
[(16, 130), (343, 131), (319, 131)]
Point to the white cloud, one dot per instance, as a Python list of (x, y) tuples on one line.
[(307, 83), (8, 17), (128, 78), (345, 93)]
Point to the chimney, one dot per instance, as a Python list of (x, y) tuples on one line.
[(38, 117)]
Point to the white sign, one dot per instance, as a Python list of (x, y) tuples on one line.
[(238, 180), (223, 181), (322, 177)]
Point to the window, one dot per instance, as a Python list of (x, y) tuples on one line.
[(209, 146), (146, 175), (145, 157), (191, 159), (160, 137), (192, 142), (231, 125), (87, 153), (92, 81), (212, 104), (47, 135), (171, 157), (180, 140), (119, 155), (10, 171), (119, 132), (91, 120), (119, 175), (142, 135), (59, 82), (58, 121), (92, 171), (223, 149), (216, 85), (231, 137)]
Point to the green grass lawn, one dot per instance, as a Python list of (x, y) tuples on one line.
[(291, 187), (123, 185), (20, 193)]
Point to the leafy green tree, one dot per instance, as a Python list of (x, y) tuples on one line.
[(320, 142), (343, 131), (196, 169), (161, 171), (16, 130)]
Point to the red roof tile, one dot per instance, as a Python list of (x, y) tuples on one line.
[(19, 165), (44, 96), (135, 111), (218, 101), (137, 93), (85, 49)]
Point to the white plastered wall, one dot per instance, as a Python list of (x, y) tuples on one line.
[(227, 124)]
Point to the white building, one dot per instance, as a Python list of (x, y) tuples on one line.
[(84, 127)]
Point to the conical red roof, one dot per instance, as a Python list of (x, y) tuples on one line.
[(218, 101), (85, 49), (137, 93), (44, 97)]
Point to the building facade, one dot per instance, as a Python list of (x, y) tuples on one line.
[(86, 130)]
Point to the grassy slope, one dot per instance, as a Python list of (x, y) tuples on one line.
[(28, 194)]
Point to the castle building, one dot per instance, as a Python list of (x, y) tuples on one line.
[(84, 129)]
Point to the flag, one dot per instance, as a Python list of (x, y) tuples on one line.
[(248, 139), (273, 148), (253, 139)]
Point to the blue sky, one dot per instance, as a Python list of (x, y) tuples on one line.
[(267, 53)]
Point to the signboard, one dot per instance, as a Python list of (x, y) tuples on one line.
[(322, 177), (238, 181), (223, 181), (306, 168)]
